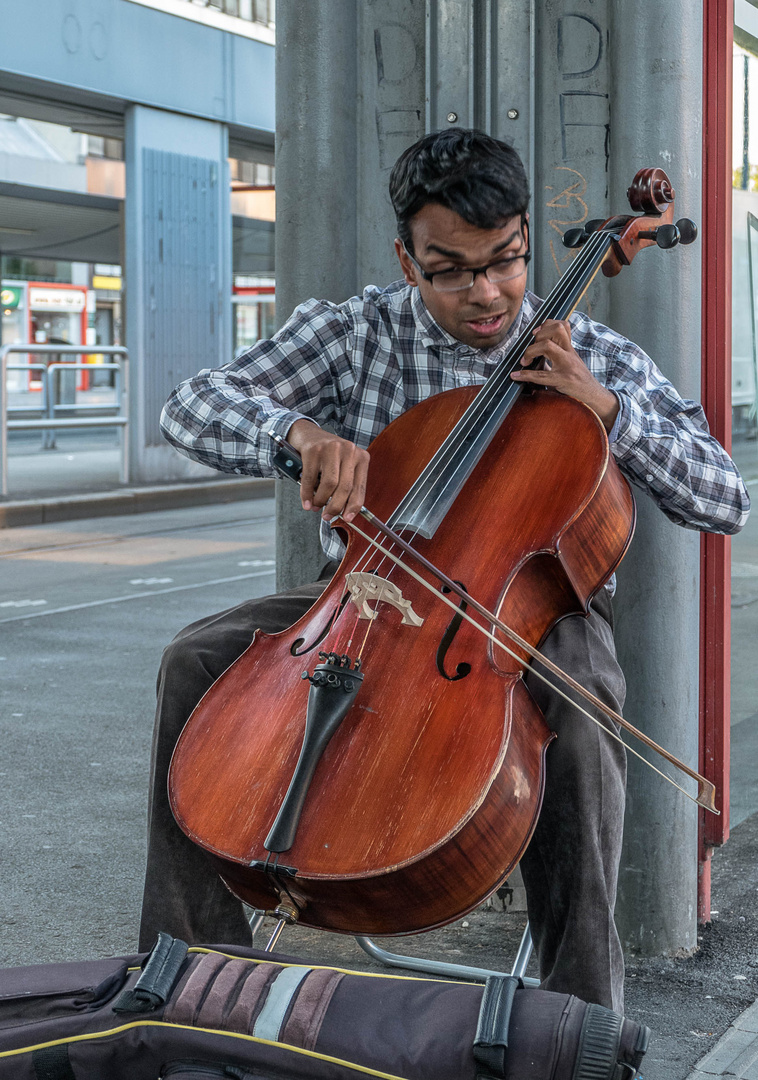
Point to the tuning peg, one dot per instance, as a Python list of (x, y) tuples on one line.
[(593, 225), (574, 238), (687, 230), (667, 236)]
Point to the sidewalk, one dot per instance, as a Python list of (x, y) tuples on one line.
[(78, 481), (736, 1054)]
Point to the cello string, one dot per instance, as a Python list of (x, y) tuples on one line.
[(444, 494), (360, 565), (488, 634), (488, 396), (563, 295), (574, 281), (562, 299), (355, 615), (570, 287), (582, 269), (369, 551)]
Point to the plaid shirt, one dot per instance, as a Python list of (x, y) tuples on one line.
[(359, 365)]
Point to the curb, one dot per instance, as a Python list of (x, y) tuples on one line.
[(736, 1052), (131, 501)]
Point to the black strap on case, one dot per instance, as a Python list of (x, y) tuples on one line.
[(491, 1040), (159, 975), (52, 1063)]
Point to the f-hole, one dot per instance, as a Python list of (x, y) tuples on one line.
[(463, 669), (295, 648)]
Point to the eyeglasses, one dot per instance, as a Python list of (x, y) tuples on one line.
[(456, 280)]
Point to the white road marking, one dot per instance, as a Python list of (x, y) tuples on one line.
[(136, 596), (256, 562), (150, 580), (22, 603)]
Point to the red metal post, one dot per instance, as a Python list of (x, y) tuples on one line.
[(715, 551)]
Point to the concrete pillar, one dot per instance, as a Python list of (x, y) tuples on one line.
[(349, 94), (656, 91), (178, 271), (612, 93), (316, 224)]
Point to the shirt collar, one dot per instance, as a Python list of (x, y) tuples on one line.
[(432, 334), (430, 331)]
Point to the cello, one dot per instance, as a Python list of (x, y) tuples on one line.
[(393, 784)]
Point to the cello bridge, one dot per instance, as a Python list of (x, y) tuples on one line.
[(364, 587)]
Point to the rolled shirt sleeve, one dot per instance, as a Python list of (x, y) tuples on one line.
[(222, 417), (662, 444)]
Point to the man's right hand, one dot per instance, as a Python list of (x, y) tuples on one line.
[(334, 471)]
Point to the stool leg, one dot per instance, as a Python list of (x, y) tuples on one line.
[(256, 919), (450, 971), (523, 955)]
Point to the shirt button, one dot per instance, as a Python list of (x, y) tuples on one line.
[(649, 478), (238, 471)]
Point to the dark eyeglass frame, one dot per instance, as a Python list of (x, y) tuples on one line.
[(474, 270)]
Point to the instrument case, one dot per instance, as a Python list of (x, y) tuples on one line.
[(202, 1013)]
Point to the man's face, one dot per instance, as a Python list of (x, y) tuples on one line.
[(481, 315)]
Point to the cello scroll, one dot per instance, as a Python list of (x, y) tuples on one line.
[(652, 197)]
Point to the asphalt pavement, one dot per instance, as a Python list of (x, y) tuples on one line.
[(86, 605)]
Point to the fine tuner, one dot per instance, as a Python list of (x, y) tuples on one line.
[(665, 236)]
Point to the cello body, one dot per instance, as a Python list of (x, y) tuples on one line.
[(428, 792)]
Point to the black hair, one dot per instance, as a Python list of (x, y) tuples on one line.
[(480, 178)]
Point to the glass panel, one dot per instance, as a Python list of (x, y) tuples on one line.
[(267, 318), (744, 718), (745, 382), (745, 276), (254, 320)]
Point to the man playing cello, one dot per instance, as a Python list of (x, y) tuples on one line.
[(461, 201)]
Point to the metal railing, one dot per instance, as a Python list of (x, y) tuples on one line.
[(49, 406)]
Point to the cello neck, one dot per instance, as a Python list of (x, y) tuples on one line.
[(435, 490)]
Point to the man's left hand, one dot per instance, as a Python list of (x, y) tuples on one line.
[(565, 371)]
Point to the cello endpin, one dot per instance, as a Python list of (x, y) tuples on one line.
[(287, 912)]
